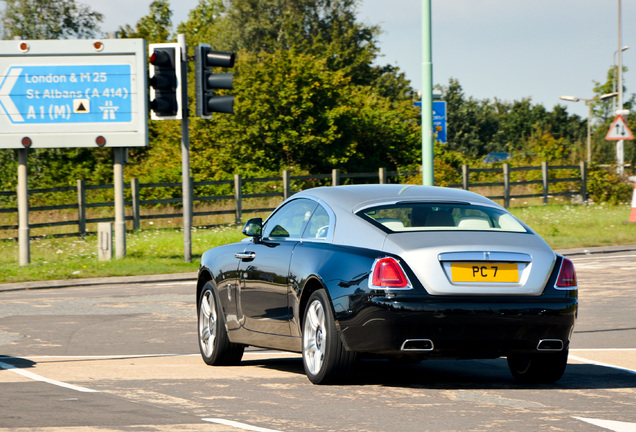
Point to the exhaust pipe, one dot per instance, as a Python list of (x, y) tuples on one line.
[(550, 345), (417, 345)]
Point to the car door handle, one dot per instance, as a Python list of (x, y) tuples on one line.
[(245, 255)]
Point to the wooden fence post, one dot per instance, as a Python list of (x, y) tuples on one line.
[(506, 179), (546, 181), (134, 193), (583, 181), (81, 208), (238, 197), (382, 175), (335, 177), (286, 181), (465, 174)]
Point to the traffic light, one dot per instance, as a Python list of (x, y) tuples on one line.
[(165, 81), (206, 81)]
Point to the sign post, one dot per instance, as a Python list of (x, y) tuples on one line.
[(72, 93)]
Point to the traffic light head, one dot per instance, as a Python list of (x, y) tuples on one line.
[(207, 81), (165, 81)]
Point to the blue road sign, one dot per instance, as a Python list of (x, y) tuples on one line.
[(40, 94), (439, 119)]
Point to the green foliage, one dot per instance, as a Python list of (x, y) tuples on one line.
[(49, 19), (293, 111), (154, 27), (605, 186), (481, 127), (308, 96), (201, 26)]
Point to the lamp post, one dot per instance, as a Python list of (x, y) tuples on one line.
[(625, 48), (589, 116)]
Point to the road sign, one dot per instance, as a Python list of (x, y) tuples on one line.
[(67, 94), (73, 93), (439, 119), (619, 130)]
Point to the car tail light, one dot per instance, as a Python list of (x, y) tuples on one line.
[(567, 275), (388, 274)]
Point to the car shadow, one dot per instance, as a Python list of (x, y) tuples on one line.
[(461, 374), (15, 362)]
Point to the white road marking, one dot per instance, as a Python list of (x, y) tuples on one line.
[(238, 425), (602, 349), (36, 377), (615, 426), (592, 362)]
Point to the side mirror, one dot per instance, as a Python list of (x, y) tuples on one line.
[(254, 228)]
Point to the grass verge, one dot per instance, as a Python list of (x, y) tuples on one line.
[(160, 251)]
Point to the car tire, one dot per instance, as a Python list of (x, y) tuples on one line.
[(544, 368), (325, 359), (214, 343)]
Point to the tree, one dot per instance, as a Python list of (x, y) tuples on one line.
[(476, 128), (202, 24), (292, 111), (49, 19), (308, 94), (156, 27)]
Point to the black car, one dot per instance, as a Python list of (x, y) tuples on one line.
[(404, 271)]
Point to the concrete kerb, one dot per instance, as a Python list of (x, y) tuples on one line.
[(67, 283), (596, 250), (176, 277)]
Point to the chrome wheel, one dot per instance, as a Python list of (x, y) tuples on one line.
[(314, 335), (207, 323), (325, 359), (214, 342)]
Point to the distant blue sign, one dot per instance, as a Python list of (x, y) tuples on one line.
[(41, 94), (439, 119)]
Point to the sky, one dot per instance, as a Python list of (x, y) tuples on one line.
[(509, 50)]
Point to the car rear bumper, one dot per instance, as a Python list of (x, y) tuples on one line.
[(458, 328)]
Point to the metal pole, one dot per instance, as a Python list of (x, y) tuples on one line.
[(23, 209), (619, 144), (589, 132), (120, 212), (428, 177), (185, 153)]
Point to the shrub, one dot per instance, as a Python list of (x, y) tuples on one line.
[(606, 186)]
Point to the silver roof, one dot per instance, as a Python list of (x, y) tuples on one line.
[(345, 201), (356, 197)]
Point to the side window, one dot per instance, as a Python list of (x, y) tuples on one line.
[(290, 220), (318, 226)]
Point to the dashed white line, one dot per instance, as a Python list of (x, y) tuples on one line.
[(238, 425)]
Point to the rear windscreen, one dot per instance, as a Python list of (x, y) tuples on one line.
[(403, 217)]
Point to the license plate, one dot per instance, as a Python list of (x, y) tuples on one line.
[(485, 272)]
